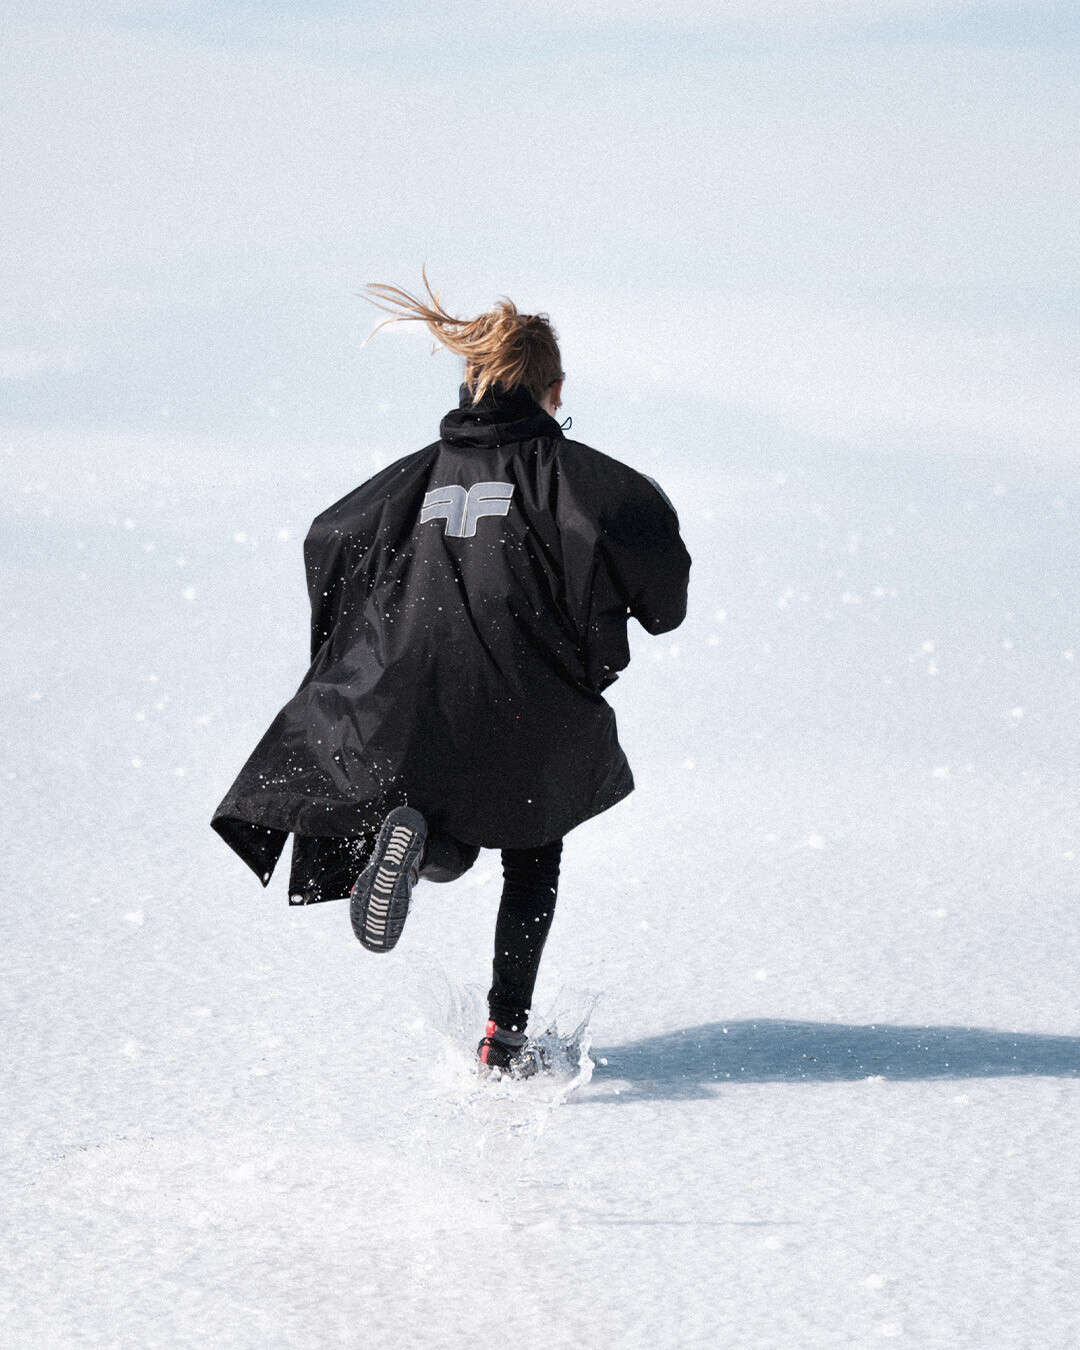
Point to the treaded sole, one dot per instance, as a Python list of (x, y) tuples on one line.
[(379, 904)]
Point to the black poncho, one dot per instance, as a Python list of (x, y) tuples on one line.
[(469, 604)]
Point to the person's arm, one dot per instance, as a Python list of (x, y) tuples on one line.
[(326, 552), (640, 569), (343, 544), (645, 556)]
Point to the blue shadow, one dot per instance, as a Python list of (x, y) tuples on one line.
[(696, 1061)]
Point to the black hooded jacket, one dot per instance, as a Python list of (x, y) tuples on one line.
[(469, 604)]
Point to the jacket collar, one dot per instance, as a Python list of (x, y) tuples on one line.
[(500, 418)]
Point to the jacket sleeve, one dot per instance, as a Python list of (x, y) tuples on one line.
[(639, 568), (343, 543), (326, 552), (644, 555)]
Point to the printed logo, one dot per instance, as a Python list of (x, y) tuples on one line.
[(461, 510)]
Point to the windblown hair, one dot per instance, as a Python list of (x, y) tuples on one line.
[(503, 349)]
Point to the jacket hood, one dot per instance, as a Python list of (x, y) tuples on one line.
[(500, 418)]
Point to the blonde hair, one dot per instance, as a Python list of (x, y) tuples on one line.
[(503, 348)]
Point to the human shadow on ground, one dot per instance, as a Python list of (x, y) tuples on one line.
[(695, 1062)]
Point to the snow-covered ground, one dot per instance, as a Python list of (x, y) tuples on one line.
[(835, 1093)]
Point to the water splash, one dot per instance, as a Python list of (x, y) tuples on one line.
[(456, 1014)]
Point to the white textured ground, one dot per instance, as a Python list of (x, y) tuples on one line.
[(836, 1094)]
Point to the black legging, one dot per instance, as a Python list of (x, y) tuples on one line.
[(530, 886), (324, 869)]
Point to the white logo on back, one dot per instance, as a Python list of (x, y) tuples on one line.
[(461, 510)]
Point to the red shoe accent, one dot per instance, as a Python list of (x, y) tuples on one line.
[(489, 1031)]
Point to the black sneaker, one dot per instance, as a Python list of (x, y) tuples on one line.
[(509, 1054), (379, 904)]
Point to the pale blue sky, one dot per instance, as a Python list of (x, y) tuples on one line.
[(832, 222)]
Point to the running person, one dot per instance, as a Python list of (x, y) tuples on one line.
[(469, 607)]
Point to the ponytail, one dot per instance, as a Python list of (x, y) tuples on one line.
[(503, 349)]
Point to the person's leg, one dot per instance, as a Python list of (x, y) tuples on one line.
[(446, 858), (530, 886)]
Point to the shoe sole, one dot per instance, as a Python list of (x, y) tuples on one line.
[(379, 904)]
